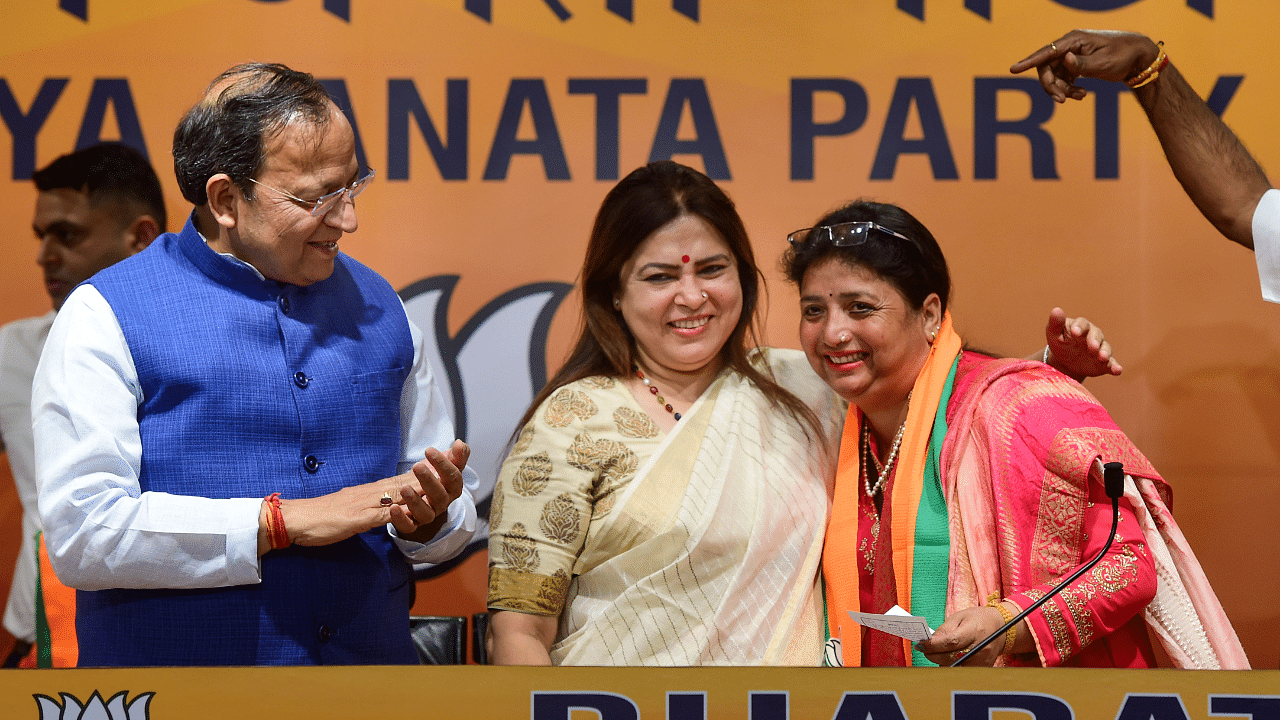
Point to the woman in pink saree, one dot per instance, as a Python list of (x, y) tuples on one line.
[(968, 486)]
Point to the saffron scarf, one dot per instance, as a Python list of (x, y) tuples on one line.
[(919, 509)]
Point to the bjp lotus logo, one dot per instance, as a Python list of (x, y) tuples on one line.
[(114, 709), (487, 373)]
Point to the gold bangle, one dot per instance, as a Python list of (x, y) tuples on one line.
[(1012, 633), (1153, 70)]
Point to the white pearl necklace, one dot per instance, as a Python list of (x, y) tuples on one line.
[(883, 476)]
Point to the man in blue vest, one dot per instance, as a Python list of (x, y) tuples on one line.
[(237, 429)]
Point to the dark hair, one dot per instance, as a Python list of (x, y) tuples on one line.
[(107, 172), (917, 269), (227, 131), (638, 206)]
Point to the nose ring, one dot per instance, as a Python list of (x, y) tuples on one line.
[(704, 294), (845, 337)]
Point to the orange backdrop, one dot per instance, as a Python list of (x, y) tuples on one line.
[(489, 123)]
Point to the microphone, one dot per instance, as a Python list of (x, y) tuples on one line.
[(1113, 481)]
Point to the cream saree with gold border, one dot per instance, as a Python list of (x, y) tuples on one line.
[(711, 556)]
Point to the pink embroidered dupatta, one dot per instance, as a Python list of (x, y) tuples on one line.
[(1015, 425)]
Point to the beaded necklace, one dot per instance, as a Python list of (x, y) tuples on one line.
[(654, 390), (883, 475)]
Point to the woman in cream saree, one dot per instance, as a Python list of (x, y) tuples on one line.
[(709, 553)]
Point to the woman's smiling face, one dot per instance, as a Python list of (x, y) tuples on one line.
[(680, 296), (861, 334)]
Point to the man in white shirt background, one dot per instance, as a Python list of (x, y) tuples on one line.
[(94, 207)]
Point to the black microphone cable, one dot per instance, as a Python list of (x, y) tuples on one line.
[(1113, 480)]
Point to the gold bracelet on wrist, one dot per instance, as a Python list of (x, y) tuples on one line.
[(1011, 634), (1152, 72)]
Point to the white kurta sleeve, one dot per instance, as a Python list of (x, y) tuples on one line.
[(425, 422), (1266, 244), (101, 530)]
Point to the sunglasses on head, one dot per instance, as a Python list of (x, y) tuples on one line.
[(841, 234)]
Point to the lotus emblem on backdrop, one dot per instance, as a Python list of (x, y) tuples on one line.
[(95, 709)]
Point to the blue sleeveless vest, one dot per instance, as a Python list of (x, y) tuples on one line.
[(251, 387)]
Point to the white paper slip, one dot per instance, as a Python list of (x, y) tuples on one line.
[(897, 622)]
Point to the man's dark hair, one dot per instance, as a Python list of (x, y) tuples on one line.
[(108, 171), (227, 131)]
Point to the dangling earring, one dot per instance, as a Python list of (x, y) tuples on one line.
[(933, 336)]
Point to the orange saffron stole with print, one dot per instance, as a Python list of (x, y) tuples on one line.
[(839, 556)]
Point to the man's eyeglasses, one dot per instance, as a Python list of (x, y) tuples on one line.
[(842, 234), (322, 205)]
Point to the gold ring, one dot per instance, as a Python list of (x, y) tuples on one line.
[(386, 500), (1053, 47), (957, 654)]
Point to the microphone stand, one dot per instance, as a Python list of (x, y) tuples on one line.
[(1113, 480)]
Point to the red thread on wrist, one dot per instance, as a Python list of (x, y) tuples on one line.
[(277, 535)]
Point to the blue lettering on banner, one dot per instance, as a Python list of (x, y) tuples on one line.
[(805, 130), (1204, 7), (24, 127), (1143, 706), (445, 131), (624, 9), (1223, 92), (870, 706), (915, 8), (337, 89), (1254, 707), (483, 9), (986, 128), (934, 143), (79, 8), (693, 92), (560, 705), (1106, 126), (608, 116), (686, 706), (340, 8), (979, 706), (769, 706), (546, 142), (450, 154), (114, 91)]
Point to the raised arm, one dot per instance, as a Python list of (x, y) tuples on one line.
[(1218, 173)]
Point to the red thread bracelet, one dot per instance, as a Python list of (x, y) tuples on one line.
[(277, 535)]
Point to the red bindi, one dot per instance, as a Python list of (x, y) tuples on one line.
[(684, 258)]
